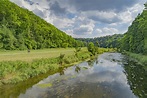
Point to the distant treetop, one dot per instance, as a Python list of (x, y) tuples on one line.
[(145, 5)]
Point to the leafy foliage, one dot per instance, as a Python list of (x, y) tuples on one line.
[(92, 48), (135, 39), (105, 42), (21, 29)]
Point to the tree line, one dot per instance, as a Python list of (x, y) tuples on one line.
[(110, 41)]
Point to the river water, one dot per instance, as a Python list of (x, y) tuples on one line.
[(108, 76)]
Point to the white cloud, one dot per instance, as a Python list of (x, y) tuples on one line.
[(79, 20), (99, 31), (129, 15), (102, 16), (63, 23), (109, 30), (105, 31), (83, 30)]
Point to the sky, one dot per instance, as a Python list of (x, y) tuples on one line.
[(86, 18)]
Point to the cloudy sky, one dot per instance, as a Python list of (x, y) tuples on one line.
[(86, 18)]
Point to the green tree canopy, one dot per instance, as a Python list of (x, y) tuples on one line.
[(135, 39), (22, 29)]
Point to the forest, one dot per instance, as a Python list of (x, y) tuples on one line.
[(21, 29), (110, 41), (135, 39)]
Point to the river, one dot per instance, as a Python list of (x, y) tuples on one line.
[(111, 75)]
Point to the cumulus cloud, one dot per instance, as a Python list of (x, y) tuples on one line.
[(102, 16), (105, 31), (39, 13), (83, 30), (84, 18), (101, 5), (56, 9), (63, 23)]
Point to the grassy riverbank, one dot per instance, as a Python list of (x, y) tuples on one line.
[(6, 55), (139, 57), (14, 68)]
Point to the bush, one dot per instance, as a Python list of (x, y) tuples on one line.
[(91, 48)]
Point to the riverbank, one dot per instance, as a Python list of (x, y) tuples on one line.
[(14, 71), (139, 57), (89, 77)]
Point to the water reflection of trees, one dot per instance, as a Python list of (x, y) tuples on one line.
[(91, 62), (77, 69), (137, 78), (15, 90), (61, 70)]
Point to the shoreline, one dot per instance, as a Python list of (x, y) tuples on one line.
[(140, 58), (13, 72), (21, 70)]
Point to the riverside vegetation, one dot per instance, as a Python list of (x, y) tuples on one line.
[(14, 71), (134, 41)]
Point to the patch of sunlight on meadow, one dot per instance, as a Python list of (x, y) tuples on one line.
[(35, 54)]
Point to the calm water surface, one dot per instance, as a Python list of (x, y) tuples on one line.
[(104, 78)]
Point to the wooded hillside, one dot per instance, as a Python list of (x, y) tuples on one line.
[(21, 29), (135, 39), (111, 41)]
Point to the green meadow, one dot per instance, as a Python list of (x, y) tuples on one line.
[(16, 66), (7, 55)]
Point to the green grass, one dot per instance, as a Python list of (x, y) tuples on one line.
[(139, 57), (16, 66), (35, 54)]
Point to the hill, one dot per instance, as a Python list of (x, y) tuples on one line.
[(111, 41), (135, 39), (21, 29)]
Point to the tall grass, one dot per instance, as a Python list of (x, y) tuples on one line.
[(7, 55), (139, 57), (15, 71)]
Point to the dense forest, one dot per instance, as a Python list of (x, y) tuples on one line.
[(111, 41), (21, 29), (135, 39)]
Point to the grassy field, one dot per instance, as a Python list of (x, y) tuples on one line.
[(16, 66), (35, 54), (7, 55)]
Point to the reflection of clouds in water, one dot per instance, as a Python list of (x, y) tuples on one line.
[(32, 93), (105, 76), (108, 71), (119, 89), (105, 70)]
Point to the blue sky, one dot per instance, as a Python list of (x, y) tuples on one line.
[(86, 18)]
